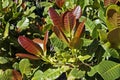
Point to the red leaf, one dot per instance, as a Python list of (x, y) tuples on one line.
[(30, 46), (39, 42), (69, 22), (55, 18), (108, 2), (79, 30), (60, 35), (77, 12), (16, 75), (45, 41), (29, 56), (59, 3)]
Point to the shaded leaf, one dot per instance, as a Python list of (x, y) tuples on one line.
[(77, 12), (59, 3), (25, 67), (16, 75), (30, 46), (60, 35), (108, 2), (29, 56), (76, 43), (3, 60), (114, 38)]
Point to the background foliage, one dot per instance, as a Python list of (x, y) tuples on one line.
[(59, 39)]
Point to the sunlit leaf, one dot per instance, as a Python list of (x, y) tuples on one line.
[(77, 12), (59, 3), (16, 75), (76, 74), (6, 32), (79, 30), (3, 60), (114, 38), (25, 67), (69, 22), (30, 46), (29, 56), (113, 17), (55, 18), (109, 70), (45, 41), (23, 24), (38, 75)]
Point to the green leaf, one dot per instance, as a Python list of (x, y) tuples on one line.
[(23, 24), (76, 74), (6, 75), (25, 67), (3, 60), (109, 70), (38, 75), (102, 35), (5, 3), (29, 11), (6, 32), (57, 43), (92, 71), (112, 17), (83, 58)]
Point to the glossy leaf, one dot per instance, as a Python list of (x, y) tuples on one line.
[(38, 75), (29, 56), (69, 22), (114, 38), (16, 75), (30, 46), (25, 67), (77, 12), (79, 30), (113, 17), (55, 18), (59, 3), (39, 42)]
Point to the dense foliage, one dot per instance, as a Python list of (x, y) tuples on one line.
[(59, 39)]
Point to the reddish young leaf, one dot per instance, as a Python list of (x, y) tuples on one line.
[(60, 35), (29, 56), (69, 22), (55, 18), (108, 2), (77, 12), (30, 46), (16, 75), (79, 30), (39, 42), (45, 41), (59, 3)]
